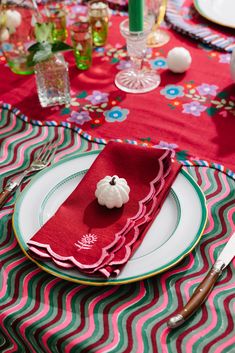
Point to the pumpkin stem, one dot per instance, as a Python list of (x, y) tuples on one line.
[(112, 182)]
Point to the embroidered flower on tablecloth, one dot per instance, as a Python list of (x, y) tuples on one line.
[(124, 64), (97, 97), (225, 58), (205, 89), (116, 114), (158, 63), (167, 146), (194, 108), (172, 91), (79, 117), (7, 47)]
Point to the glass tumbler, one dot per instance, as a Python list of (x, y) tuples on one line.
[(15, 48), (81, 37), (99, 18), (57, 15)]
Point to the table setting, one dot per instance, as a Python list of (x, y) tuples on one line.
[(117, 183)]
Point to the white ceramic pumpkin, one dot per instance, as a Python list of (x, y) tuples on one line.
[(112, 191)]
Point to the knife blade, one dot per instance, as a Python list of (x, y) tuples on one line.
[(206, 286)]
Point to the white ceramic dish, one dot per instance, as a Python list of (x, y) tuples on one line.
[(173, 234), (221, 12)]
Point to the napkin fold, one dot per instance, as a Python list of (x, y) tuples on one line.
[(94, 239)]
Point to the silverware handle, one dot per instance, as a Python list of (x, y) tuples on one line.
[(198, 297), (6, 193)]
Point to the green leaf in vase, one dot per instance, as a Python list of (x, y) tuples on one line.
[(60, 46), (43, 31), (43, 53)]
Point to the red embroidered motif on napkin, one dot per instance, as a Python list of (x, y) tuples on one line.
[(98, 240)]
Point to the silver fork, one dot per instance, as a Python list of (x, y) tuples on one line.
[(42, 160)]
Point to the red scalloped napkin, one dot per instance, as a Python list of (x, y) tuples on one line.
[(94, 239)]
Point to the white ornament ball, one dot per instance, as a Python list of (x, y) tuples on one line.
[(13, 19), (178, 59)]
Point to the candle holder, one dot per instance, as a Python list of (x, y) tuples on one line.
[(82, 43), (136, 79), (99, 18)]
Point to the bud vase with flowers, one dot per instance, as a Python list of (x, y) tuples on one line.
[(51, 70)]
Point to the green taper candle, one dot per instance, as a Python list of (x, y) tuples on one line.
[(136, 15)]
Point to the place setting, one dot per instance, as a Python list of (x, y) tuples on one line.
[(169, 237), (117, 176)]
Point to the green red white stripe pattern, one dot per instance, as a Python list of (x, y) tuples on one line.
[(42, 313)]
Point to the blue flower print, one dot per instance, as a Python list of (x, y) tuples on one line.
[(116, 114), (7, 47), (172, 91), (158, 63)]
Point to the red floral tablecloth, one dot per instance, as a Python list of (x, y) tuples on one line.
[(192, 113)]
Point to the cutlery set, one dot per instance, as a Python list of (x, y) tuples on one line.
[(45, 156), (42, 160)]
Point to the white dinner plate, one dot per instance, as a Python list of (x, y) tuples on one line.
[(173, 234), (221, 12)]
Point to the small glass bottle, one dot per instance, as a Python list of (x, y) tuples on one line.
[(53, 81)]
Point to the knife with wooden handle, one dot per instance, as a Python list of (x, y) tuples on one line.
[(7, 192), (206, 286)]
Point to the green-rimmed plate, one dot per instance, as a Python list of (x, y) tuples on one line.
[(221, 12), (174, 233)]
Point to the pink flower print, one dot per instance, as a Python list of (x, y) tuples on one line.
[(205, 90), (97, 97), (167, 146), (124, 64), (194, 108), (224, 58), (79, 117)]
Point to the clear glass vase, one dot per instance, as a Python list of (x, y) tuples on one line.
[(52, 81)]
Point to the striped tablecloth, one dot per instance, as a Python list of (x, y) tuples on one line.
[(41, 313)]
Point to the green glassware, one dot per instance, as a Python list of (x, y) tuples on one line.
[(15, 46), (99, 18), (81, 37), (57, 16)]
